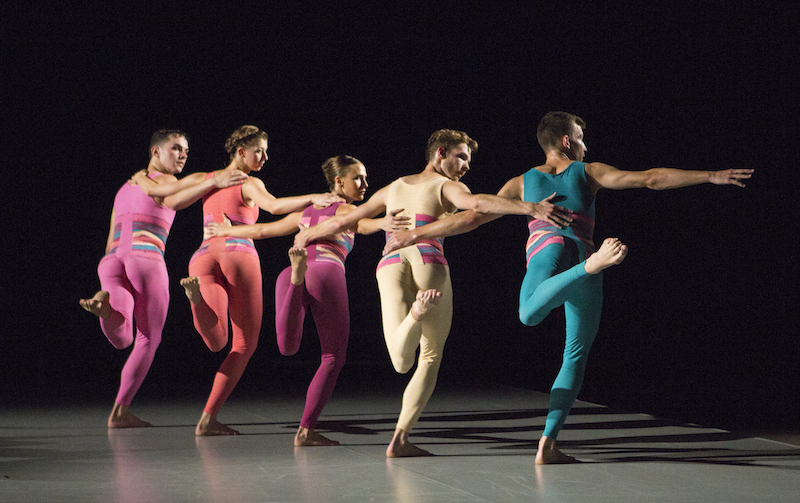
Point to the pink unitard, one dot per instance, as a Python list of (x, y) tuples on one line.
[(230, 284), (135, 275), (324, 291)]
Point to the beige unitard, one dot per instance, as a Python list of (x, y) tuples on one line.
[(401, 275)]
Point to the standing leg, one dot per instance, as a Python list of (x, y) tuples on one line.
[(582, 313), (150, 283), (243, 274), (327, 289), (433, 327)]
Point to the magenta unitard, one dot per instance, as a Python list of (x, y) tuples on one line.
[(230, 284), (134, 274), (324, 292)]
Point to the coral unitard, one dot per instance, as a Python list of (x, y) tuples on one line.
[(324, 292), (556, 275), (230, 284), (135, 276)]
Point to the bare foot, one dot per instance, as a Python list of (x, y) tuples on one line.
[(191, 286), (298, 256), (121, 417), (97, 305), (402, 448), (309, 438), (549, 454), (611, 252), (426, 300), (210, 427)]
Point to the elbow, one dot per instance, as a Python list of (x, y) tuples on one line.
[(655, 180), (478, 203)]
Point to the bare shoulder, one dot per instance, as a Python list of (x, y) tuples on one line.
[(344, 209), (165, 178), (513, 188)]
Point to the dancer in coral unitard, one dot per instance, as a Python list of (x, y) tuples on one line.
[(224, 281)]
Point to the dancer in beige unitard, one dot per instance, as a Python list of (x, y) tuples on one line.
[(414, 283)]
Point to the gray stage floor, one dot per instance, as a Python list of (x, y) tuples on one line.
[(484, 441)]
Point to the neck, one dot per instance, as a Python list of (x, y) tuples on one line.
[(155, 165)]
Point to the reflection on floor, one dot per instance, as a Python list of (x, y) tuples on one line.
[(484, 441)]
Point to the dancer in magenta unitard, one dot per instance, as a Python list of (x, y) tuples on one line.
[(133, 275), (316, 281), (224, 280)]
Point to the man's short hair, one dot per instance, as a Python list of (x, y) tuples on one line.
[(448, 138), (553, 127)]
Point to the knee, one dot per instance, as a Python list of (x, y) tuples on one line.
[(402, 365), (288, 349), (530, 319), (333, 360)]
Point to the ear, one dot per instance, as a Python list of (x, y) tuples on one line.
[(565, 141), (442, 152), (154, 151), (240, 151)]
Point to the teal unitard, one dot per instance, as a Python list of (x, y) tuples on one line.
[(556, 276)]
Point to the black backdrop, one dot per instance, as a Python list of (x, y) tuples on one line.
[(698, 321)]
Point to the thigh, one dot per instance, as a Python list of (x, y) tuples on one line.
[(436, 325), (114, 280), (242, 272)]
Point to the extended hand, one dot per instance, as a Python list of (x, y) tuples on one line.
[(393, 221), (301, 239), (730, 176), (229, 178), (133, 181), (326, 199), (214, 229), (398, 239), (547, 211)]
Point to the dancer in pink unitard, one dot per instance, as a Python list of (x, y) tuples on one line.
[(133, 275), (224, 281), (316, 281)]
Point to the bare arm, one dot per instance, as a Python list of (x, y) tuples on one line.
[(283, 227), (609, 177), (336, 224), (165, 185), (255, 191), (188, 196), (469, 220), (391, 222), (461, 197)]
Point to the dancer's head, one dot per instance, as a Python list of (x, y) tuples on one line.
[(247, 147), (346, 177), (169, 149), (562, 132), (450, 152)]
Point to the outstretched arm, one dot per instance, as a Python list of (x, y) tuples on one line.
[(283, 227), (609, 177), (392, 221), (188, 196), (469, 220), (255, 191), (334, 225)]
